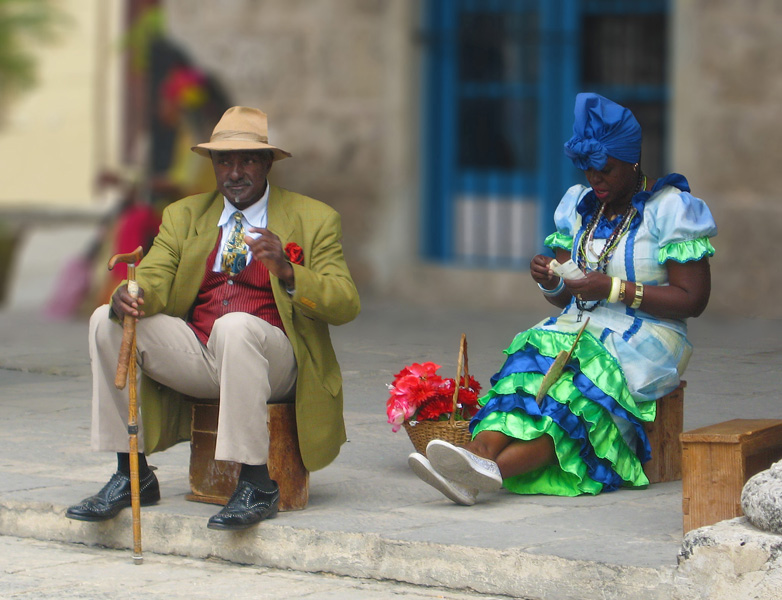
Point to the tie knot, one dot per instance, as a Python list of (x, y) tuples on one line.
[(237, 216)]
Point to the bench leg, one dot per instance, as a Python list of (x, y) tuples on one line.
[(213, 481), (663, 433)]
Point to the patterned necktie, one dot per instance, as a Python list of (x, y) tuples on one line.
[(234, 257)]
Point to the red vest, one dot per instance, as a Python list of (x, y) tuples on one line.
[(250, 291)]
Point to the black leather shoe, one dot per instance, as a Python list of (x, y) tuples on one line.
[(248, 505), (114, 496)]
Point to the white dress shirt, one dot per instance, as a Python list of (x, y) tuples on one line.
[(252, 216)]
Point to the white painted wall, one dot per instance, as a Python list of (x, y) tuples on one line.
[(57, 136)]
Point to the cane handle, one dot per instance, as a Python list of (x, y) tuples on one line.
[(130, 258)]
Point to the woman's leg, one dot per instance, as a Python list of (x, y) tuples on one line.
[(513, 456), (489, 444), (522, 456)]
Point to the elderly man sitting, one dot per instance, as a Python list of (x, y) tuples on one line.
[(236, 296)]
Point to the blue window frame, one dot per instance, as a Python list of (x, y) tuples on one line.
[(500, 78)]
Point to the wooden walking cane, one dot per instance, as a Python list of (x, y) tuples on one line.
[(126, 370)]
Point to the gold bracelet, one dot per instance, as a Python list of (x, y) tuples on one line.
[(622, 291), (639, 295)]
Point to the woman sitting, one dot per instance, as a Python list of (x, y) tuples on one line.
[(643, 246)]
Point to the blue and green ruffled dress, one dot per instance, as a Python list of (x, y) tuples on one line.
[(624, 361)]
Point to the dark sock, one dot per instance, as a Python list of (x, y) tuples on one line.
[(123, 464), (257, 475)]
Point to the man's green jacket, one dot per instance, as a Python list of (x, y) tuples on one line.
[(325, 294)]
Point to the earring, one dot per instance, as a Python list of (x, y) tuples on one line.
[(635, 167)]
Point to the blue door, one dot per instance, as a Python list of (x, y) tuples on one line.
[(501, 77)]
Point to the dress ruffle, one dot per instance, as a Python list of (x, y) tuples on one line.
[(578, 413), (559, 240), (682, 252)]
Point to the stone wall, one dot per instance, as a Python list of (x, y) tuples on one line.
[(326, 72), (727, 139), (340, 82)]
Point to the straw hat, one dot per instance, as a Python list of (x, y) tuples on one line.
[(240, 128)]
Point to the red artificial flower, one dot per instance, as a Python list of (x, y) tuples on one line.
[(415, 390), (425, 370), (468, 395), (433, 409), (418, 393), (294, 253)]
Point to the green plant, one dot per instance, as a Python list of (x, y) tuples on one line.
[(24, 24)]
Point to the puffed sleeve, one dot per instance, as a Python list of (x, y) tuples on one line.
[(566, 219), (683, 225)]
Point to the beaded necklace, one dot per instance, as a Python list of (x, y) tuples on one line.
[(585, 245)]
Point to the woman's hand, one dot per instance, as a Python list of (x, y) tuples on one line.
[(595, 286), (541, 273), (686, 295), (540, 269)]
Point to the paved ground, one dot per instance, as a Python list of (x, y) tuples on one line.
[(368, 515), (36, 570)]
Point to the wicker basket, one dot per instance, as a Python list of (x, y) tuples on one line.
[(423, 432), (453, 431)]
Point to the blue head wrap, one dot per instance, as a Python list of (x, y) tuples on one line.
[(601, 129)]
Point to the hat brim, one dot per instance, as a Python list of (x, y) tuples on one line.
[(234, 145)]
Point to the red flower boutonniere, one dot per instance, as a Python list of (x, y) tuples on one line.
[(294, 253)]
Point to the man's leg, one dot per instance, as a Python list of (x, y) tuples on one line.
[(255, 363), (169, 352)]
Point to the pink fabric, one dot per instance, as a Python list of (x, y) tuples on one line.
[(136, 226)]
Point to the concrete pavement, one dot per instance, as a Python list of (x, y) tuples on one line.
[(38, 570), (368, 516)]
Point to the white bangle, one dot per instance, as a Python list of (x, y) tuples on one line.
[(613, 295), (556, 291)]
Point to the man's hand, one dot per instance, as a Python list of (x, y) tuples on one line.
[(122, 303), (268, 249)]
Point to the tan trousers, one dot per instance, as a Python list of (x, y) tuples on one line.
[(246, 363)]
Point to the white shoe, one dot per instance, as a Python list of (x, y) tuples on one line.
[(450, 489), (464, 467)]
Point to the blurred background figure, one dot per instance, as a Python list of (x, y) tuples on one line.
[(183, 104)]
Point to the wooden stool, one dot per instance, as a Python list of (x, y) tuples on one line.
[(663, 434), (717, 462), (213, 481)]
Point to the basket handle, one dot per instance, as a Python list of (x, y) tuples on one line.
[(461, 363)]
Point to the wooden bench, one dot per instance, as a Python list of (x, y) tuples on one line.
[(718, 460), (663, 434), (213, 481)]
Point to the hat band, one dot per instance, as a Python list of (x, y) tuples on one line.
[(245, 136)]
